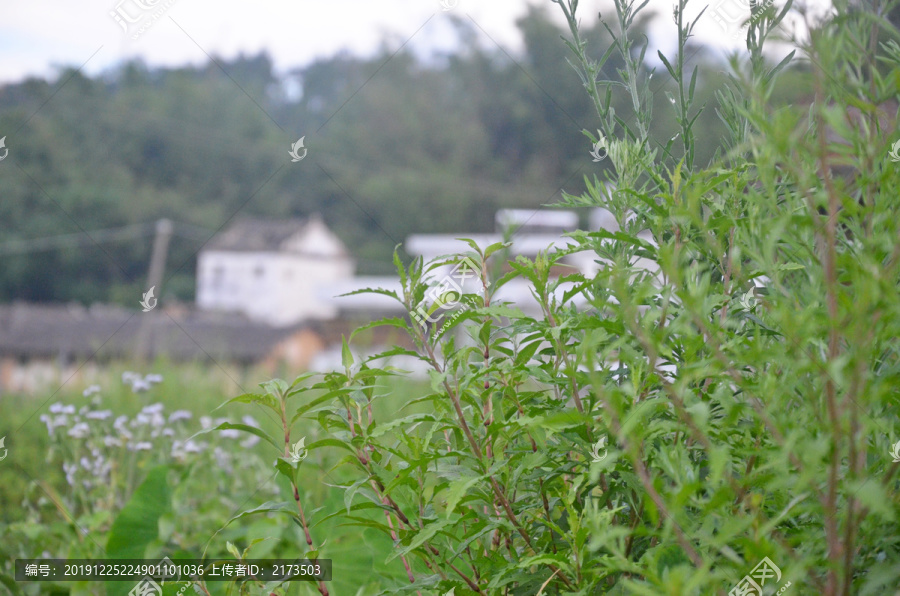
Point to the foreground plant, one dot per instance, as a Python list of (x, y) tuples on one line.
[(713, 409)]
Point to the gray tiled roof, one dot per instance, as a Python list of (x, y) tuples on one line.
[(107, 332), (251, 234)]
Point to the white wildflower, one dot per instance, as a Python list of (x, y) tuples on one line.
[(101, 468), (99, 415), (140, 385), (91, 390), (80, 430), (153, 378), (49, 422), (153, 409), (112, 442), (231, 433), (180, 415), (205, 421), (223, 459), (140, 446), (250, 421), (70, 470), (249, 441), (192, 447)]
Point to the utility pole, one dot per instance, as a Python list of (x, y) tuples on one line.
[(154, 280)]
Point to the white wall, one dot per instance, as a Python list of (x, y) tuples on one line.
[(277, 288)]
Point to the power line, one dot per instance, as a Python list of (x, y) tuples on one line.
[(128, 232)]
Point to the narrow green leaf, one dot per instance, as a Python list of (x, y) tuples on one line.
[(346, 354), (255, 398), (275, 387), (244, 427)]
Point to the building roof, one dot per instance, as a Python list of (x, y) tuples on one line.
[(110, 332), (249, 234), (430, 246), (536, 219)]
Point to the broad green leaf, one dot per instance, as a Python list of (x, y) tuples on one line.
[(137, 525)]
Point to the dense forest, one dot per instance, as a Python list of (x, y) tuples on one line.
[(398, 144)]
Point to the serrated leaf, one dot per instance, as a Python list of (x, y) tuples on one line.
[(495, 247), (458, 489), (381, 429)]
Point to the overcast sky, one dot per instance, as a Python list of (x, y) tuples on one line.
[(38, 36)]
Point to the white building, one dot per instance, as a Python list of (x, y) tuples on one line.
[(273, 270), (529, 231)]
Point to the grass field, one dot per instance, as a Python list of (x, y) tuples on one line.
[(61, 495)]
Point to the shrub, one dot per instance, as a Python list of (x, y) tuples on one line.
[(723, 391)]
